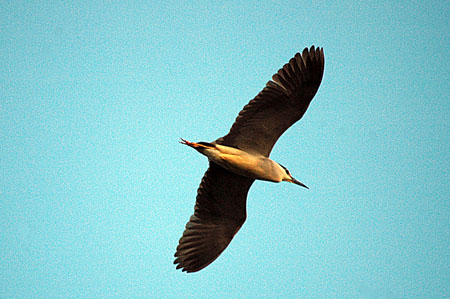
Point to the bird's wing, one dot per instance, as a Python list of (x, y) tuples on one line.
[(279, 105), (220, 211)]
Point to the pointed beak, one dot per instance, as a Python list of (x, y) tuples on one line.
[(292, 180)]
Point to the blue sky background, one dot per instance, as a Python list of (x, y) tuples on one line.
[(95, 189)]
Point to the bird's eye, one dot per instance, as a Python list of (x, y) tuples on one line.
[(285, 169)]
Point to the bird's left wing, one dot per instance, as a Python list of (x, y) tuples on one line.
[(279, 105), (220, 211)]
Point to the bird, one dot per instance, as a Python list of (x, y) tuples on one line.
[(239, 158)]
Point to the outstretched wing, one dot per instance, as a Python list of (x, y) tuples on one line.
[(279, 105), (220, 211)]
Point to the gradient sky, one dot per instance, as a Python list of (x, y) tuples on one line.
[(95, 189)]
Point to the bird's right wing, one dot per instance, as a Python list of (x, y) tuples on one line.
[(220, 211), (279, 105)]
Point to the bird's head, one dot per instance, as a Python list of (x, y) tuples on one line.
[(289, 178)]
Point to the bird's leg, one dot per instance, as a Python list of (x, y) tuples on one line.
[(198, 145), (188, 143), (191, 144)]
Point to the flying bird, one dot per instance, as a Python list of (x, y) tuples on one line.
[(242, 156)]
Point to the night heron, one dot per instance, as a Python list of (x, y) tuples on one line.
[(242, 156)]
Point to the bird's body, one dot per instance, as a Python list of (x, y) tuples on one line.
[(254, 166), (242, 156)]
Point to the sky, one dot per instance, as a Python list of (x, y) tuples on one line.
[(95, 189)]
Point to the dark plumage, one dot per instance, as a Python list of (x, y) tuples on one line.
[(220, 208)]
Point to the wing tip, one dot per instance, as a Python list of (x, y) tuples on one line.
[(314, 52)]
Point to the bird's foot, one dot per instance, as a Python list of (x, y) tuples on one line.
[(188, 143)]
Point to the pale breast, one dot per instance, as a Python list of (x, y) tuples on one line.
[(257, 167)]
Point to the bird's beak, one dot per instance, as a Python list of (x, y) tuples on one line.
[(292, 180)]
